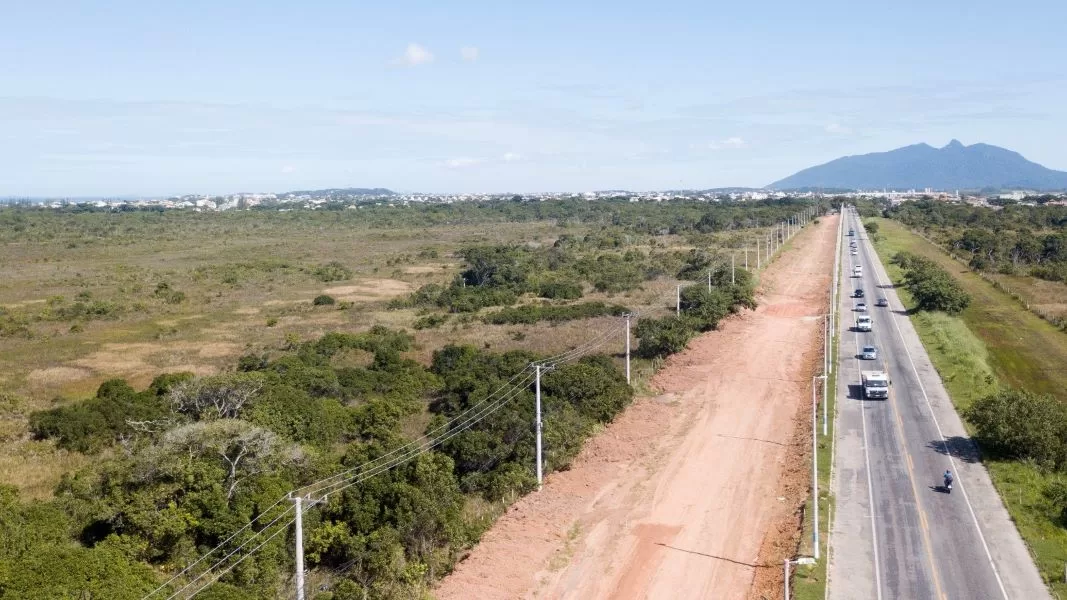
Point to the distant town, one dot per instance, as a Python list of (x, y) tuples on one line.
[(355, 198)]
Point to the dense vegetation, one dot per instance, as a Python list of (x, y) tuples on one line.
[(1015, 239), (932, 287), (200, 456)]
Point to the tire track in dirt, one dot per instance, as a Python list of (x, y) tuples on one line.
[(679, 497)]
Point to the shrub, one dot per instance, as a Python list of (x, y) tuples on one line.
[(560, 290), (331, 271), (533, 313), (323, 300), (1021, 425), (662, 337), (430, 321)]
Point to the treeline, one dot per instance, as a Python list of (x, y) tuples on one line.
[(608, 261), (648, 218), (701, 310), (535, 313), (932, 287), (1025, 240), (187, 461)]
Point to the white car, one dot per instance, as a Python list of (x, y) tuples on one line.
[(861, 307), (854, 252), (869, 353)]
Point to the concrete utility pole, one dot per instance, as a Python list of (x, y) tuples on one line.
[(815, 467), (757, 254), (746, 258), (731, 269), (299, 547), (537, 425), (678, 301), (627, 315), (825, 373), (709, 281)]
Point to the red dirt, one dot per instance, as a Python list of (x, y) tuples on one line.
[(679, 497)]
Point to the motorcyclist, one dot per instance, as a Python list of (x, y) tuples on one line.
[(948, 478)]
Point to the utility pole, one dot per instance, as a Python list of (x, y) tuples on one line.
[(825, 373), (627, 315), (678, 301), (731, 269), (814, 468), (299, 547), (537, 407), (757, 254), (746, 258), (709, 281)]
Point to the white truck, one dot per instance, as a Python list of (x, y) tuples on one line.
[(875, 384), (863, 323), (857, 271)]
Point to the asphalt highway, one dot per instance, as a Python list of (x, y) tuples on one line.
[(896, 533)]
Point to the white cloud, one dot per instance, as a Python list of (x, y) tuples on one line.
[(463, 163), (288, 169), (414, 56), (838, 129), (469, 53), (512, 157), (728, 143)]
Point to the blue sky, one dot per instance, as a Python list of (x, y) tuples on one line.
[(149, 98)]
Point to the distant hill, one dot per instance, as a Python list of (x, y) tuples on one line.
[(921, 166), (341, 192)]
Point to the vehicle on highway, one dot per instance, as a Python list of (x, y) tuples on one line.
[(882, 302), (875, 384), (857, 271), (854, 252), (861, 307), (869, 353), (858, 293), (851, 233), (948, 482), (864, 323)]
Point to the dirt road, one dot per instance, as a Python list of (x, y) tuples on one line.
[(687, 494)]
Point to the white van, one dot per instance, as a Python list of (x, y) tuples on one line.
[(857, 271)]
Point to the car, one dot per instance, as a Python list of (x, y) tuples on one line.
[(858, 294), (854, 252), (869, 353), (850, 232), (861, 307), (882, 302)]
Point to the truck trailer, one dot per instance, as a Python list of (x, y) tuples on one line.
[(875, 384)]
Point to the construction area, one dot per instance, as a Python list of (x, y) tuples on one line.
[(696, 490)]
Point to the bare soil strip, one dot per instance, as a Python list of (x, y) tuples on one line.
[(691, 494)]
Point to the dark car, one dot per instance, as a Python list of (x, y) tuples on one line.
[(859, 293), (882, 302)]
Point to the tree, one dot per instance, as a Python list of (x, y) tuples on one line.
[(217, 397), (244, 449), (1021, 425)]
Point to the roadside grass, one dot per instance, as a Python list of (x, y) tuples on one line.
[(809, 582), (995, 341)]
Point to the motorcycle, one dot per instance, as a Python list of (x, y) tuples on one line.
[(948, 485)]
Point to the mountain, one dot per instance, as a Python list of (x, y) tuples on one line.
[(341, 192), (919, 166)]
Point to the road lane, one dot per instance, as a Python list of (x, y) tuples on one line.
[(928, 544)]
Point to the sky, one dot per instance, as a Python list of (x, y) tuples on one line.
[(142, 98)]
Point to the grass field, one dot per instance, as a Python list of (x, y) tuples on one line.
[(995, 342)]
